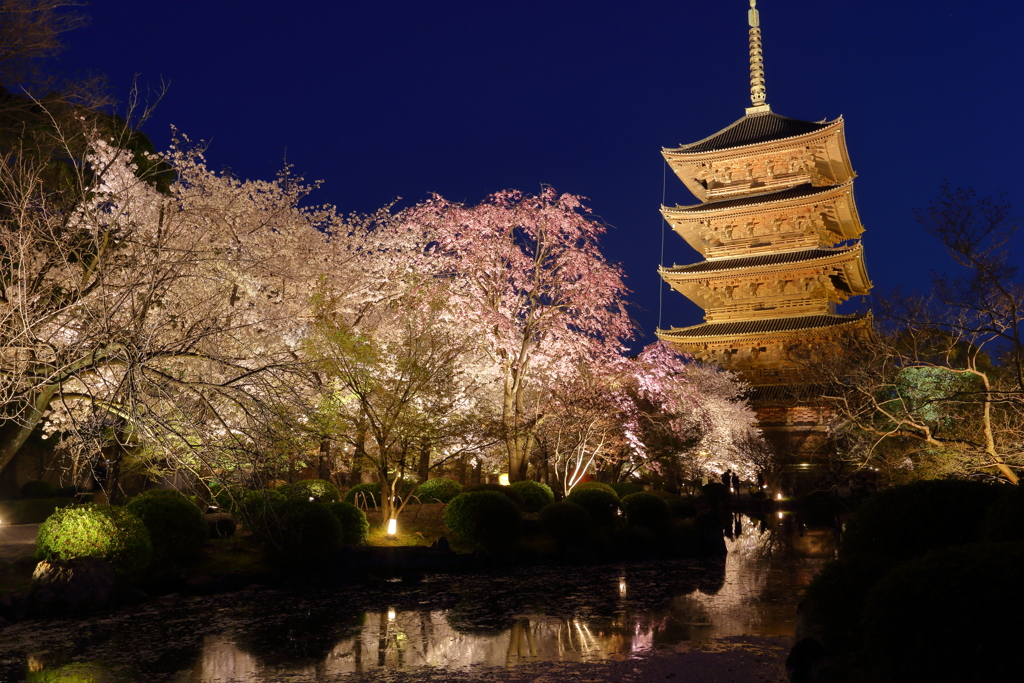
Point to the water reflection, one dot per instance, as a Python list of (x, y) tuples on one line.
[(557, 614)]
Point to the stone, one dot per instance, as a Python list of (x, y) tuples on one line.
[(75, 586)]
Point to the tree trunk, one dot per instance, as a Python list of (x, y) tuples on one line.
[(16, 431), (423, 471), (324, 466)]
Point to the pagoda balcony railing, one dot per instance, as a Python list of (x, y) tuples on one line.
[(778, 309), (766, 243), (767, 183)]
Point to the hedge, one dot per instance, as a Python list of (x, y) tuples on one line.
[(177, 528), (506, 491), (904, 522), (487, 518), (354, 527), (535, 495), (602, 505), (565, 522), (647, 510), (319, 490), (298, 533), (91, 530), (442, 490)]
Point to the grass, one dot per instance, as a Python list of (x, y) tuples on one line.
[(418, 525), (230, 555)]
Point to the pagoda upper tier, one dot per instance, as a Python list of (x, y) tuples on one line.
[(792, 283), (800, 217), (760, 153)]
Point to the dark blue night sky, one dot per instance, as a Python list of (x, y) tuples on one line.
[(399, 99)]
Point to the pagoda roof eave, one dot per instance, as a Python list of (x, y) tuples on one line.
[(789, 259), (734, 137), (727, 331), (794, 195)]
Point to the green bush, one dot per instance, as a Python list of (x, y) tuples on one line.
[(367, 495), (442, 490), (602, 505), (595, 485), (254, 507), (320, 490), (948, 616), (506, 491), (647, 510), (90, 530), (225, 499), (565, 522), (904, 522), (354, 527), (833, 605), (680, 507), (715, 493), (177, 528), (487, 518), (298, 533), (38, 489), (31, 511), (624, 488), (534, 494)]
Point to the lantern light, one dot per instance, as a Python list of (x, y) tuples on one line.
[(392, 526)]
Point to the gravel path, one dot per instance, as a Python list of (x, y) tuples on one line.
[(17, 541)]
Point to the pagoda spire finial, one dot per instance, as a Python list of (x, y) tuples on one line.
[(757, 90)]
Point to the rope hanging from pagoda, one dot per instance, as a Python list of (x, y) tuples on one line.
[(757, 89)]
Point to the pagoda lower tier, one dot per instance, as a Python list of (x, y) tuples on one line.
[(765, 351)]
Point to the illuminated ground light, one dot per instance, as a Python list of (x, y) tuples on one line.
[(391, 615), (503, 479), (392, 527), (778, 496)]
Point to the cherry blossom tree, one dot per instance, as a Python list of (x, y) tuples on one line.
[(528, 278), (165, 311)]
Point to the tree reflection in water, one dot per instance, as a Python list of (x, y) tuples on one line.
[(503, 619)]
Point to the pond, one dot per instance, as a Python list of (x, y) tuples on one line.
[(537, 617)]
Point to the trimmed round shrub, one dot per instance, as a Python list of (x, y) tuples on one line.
[(601, 505), (354, 527), (38, 489), (506, 491), (565, 521), (255, 506), (647, 510), (320, 490), (442, 490), (298, 533), (487, 518), (904, 522), (91, 530), (948, 616), (624, 488), (535, 494), (715, 493), (833, 605), (225, 499), (600, 486), (177, 529), (367, 495), (680, 507)]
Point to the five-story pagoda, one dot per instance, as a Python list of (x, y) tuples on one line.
[(778, 229)]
